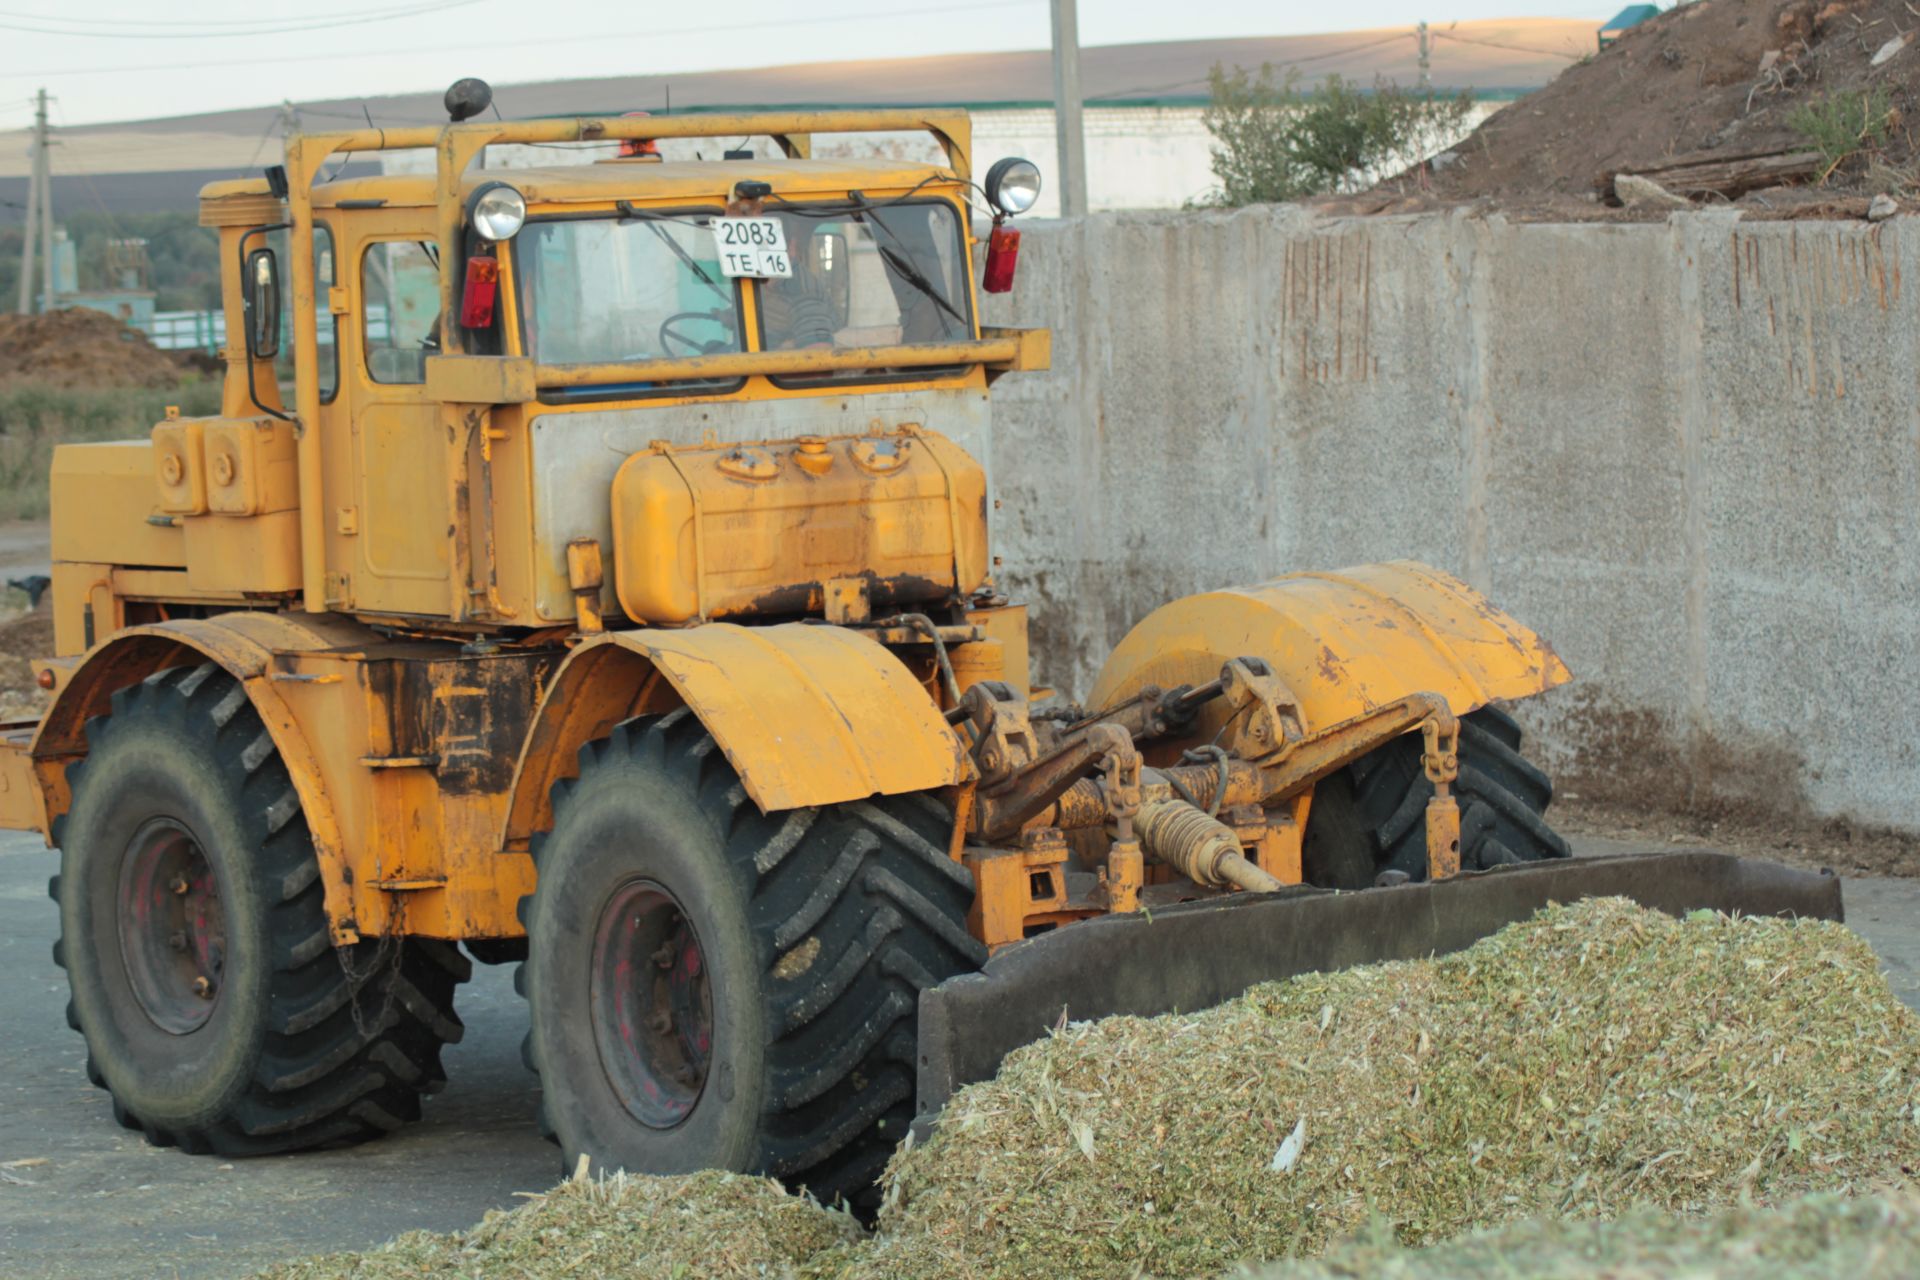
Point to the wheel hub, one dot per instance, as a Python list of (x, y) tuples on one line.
[(651, 1003), (173, 929)]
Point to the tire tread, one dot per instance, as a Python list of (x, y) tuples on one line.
[(353, 1033)]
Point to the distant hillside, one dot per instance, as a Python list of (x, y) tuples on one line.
[(1496, 58)]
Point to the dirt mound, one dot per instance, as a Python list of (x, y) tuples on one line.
[(1716, 81), (23, 638), (81, 348)]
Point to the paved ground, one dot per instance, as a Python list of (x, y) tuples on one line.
[(106, 1204), (25, 547)]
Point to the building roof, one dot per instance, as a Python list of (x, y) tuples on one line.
[(1492, 58), (1631, 16)]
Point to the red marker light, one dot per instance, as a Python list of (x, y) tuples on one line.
[(631, 147), (483, 285), (1003, 256)]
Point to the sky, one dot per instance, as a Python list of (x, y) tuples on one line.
[(132, 59)]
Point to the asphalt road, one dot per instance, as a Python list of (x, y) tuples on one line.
[(106, 1204)]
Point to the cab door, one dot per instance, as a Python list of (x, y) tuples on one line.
[(398, 523)]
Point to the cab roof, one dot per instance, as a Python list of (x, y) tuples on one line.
[(617, 179)]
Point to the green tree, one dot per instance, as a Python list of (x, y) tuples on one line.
[(185, 255), (1273, 142)]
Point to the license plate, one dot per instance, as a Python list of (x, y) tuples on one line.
[(754, 247)]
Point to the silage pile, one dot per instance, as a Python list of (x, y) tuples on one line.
[(716, 1226), (1818, 1238), (1595, 1058)]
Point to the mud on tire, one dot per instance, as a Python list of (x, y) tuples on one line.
[(711, 987), (1371, 816), (185, 858)]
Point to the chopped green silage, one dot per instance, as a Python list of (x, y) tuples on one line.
[(1817, 1238), (1595, 1058), (705, 1226)]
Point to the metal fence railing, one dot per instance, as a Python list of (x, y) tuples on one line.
[(188, 330)]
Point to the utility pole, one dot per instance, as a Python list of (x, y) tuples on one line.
[(36, 182), (1066, 109), (43, 156), (1426, 57)]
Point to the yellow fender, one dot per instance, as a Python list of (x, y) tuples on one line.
[(807, 715), (1346, 643), (243, 645)]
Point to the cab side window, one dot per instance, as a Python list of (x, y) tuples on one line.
[(326, 324), (400, 310)]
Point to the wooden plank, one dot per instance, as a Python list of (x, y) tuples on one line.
[(1728, 176)]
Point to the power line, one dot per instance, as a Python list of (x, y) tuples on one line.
[(93, 192), (594, 38), (1511, 48), (1285, 66), (222, 24), (323, 24)]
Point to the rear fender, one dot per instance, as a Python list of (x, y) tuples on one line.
[(1346, 642), (241, 644), (807, 715)]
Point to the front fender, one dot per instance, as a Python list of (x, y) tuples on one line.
[(242, 644), (807, 715), (1346, 643)]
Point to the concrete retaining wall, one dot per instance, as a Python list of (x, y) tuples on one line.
[(1688, 454)]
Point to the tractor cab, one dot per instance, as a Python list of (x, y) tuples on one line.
[(482, 353)]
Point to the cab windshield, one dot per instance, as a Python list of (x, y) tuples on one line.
[(648, 284), (603, 290), (868, 276)]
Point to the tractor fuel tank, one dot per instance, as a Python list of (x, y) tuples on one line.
[(728, 530)]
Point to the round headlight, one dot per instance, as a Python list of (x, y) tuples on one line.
[(499, 212), (1013, 185)]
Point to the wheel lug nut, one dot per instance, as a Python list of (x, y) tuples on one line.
[(177, 886), (178, 940), (661, 1022), (203, 987), (663, 956)]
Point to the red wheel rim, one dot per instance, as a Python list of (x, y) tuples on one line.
[(173, 930), (652, 1008)]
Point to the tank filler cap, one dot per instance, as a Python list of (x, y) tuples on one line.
[(749, 463), (881, 457), (812, 455)]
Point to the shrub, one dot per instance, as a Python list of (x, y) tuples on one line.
[(1273, 142)]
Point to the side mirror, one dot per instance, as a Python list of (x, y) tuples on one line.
[(261, 290)]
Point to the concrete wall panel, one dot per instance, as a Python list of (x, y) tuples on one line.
[(1687, 453)]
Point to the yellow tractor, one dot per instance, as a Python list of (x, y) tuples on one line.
[(589, 569)]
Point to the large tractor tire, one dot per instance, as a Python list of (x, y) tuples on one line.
[(1370, 817), (713, 987), (216, 1010)]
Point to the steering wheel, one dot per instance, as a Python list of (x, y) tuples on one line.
[(669, 335)]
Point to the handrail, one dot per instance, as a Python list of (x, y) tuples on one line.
[(455, 147), (744, 364), (948, 125)]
